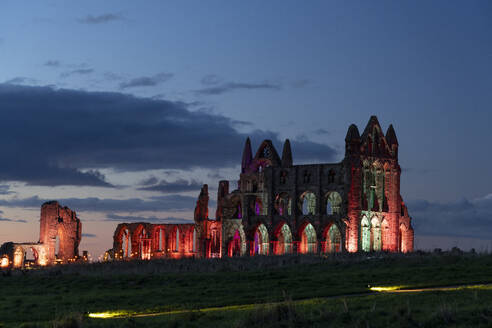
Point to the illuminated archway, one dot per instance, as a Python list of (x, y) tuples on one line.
[(333, 203), (175, 240), (31, 256), (234, 248), (144, 245), (18, 257), (126, 243), (385, 235), (308, 239), (333, 240), (4, 262), (308, 203), (284, 240), (365, 234), (283, 204), (260, 244), (159, 239), (57, 246), (215, 242), (403, 239), (375, 234)]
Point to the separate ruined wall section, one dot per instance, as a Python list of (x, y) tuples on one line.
[(59, 238), (60, 223)]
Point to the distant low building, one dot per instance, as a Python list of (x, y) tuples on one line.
[(281, 208)]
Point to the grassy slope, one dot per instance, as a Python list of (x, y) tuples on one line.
[(149, 286), (464, 308)]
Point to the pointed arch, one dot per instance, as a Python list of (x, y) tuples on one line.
[(234, 248), (260, 240), (385, 234), (159, 238), (215, 241), (308, 239), (308, 203), (375, 234), (403, 238), (122, 242), (333, 202), (365, 234), (283, 204), (175, 239), (267, 155), (18, 260), (283, 239), (143, 244), (333, 239)]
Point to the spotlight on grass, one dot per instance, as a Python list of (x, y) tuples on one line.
[(106, 315), (385, 289)]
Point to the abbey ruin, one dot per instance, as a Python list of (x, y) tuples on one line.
[(59, 238), (282, 208)]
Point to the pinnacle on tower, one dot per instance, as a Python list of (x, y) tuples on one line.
[(352, 133), (373, 121), (247, 155), (287, 154), (391, 136)]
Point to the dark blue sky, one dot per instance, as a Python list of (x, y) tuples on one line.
[(206, 74)]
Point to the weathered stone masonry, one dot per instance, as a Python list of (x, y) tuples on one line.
[(354, 205), (56, 222)]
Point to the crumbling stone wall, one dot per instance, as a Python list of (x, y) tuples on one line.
[(55, 222), (354, 205), (62, 222)]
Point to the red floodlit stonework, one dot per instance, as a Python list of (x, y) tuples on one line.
[(59, 239), (281, 208)]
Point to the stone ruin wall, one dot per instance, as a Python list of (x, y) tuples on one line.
[(55, 222), (354, 205), (62, 222)]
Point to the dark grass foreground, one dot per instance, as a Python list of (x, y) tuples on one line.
[(61, 296)]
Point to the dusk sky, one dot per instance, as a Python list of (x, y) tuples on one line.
[(121, 110)]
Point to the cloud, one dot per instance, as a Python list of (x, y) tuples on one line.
[(164, 186), (211, 79), (80, 71), (20, 80), (300, 83), (89, 235), (151, 219), (232, 86), (10, 220), (146, 81), (149, 181), (463, 218), (52, 63), (5, 190), (109, 205), (100, 19), (69, 131), (215, 176), (321, 132), (111, 76)]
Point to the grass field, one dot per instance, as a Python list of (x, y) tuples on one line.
[(299, 291)]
